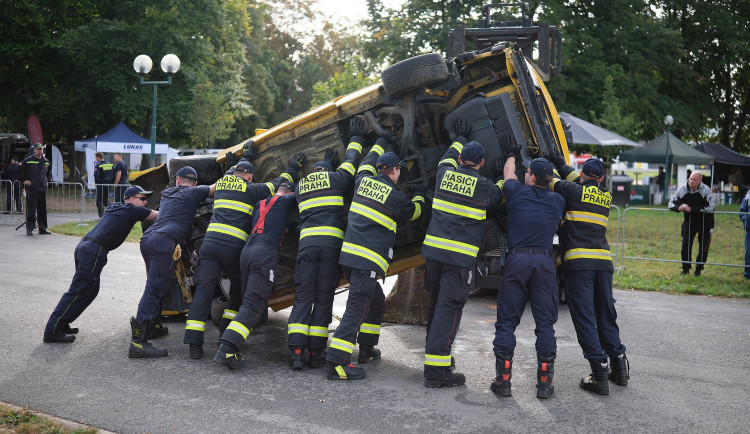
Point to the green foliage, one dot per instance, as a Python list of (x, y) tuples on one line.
[(24, 421), (352, 78), (76, 230)]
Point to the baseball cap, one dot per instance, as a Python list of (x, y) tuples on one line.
[(39, 146), (322, 165), (244, 166), (472, 152), (388, 160), (136, 189), (593, 167), (287, 184), (187, 172), (539, 166)]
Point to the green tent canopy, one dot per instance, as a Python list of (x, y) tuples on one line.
[(655, 151)]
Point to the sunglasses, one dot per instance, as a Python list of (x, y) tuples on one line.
[(142, 198)]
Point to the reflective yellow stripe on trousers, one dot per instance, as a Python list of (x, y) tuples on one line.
[(229, 314), (239, 328), (298, 328), (373, 329), (198, 326), (342, 345), (318, 331), (436, 360)]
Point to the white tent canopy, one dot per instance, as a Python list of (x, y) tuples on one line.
[(119, 139)]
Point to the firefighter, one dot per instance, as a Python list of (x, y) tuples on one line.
[(377, 207), (258, 267), (220, 251), (160, 247), (103, 174), (91, 257), (534, 214), (320, 196), (459, 209), (37, 176), (587, 264)]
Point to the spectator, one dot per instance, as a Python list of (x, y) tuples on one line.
[(696, 202), (745, 207), (13, 195)]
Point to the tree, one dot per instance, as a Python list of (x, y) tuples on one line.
[(351, 79)]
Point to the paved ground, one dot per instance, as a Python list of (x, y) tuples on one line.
[(688, 359)]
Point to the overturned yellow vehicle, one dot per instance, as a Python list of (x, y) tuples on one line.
[(496, 90)]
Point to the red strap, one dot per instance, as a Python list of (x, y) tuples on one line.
[(261, 223)]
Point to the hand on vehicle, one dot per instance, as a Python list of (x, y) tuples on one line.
[(417, 189), (389, 136), (297, 161), (460, 129), (249, 151), (512, 149), (356, 126), (332, 157), (231, 160), (558, 160)]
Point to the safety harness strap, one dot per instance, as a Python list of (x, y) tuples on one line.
[(265, 206)]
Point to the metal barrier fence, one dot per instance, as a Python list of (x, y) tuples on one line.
[(104, 194), (11, 201), (65, 199), (654, 234)]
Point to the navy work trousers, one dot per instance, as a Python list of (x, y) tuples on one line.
[(90, 258), (527, 277), (36, 209), (213, 259), (102, 199), (157, 251), (317, 274), (592, 308), (449, 287), (257, 268), (363, 316)]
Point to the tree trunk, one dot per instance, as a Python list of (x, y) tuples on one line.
[(408, 302)]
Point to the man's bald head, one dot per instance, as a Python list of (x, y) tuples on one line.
[(695, 180)]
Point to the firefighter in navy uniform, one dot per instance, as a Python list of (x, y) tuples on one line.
[(587, 264), (226, 234), (160, 248), (37, 176), (459, 209), (377, 208), (91, 257), (103, 174), (320, 196), (534, 214), (258, 261)]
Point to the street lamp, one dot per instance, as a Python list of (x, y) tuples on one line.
[(142, 65), (668, 120)]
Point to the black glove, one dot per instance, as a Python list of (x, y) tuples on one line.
[(558, 160), (231, 160), (356, 126), (498, 167), (249, 151), (416, 190), (332, 157), (389, 136), (512, 149), (297, 161), (459, 129)]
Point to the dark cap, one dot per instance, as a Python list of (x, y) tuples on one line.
[(472, 152), (244, 166), (593, 167), (322, 165), (136, 189), (287, 184), (188, 173), (39, 146), (539, 166), (388, 160)]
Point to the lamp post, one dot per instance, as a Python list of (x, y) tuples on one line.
[(668, 120), (142, 65)]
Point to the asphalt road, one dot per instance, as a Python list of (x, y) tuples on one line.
[(688, 357)]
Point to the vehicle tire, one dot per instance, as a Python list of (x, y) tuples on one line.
[(209, 171), (217, 309), (424, 70)]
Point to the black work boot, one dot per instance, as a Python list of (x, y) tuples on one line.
[(544, 372), (317, 358), (367, 353), (196, 351), (58, 338), (501, 383), (450, 380), (344, 372), (620, 370), (68, 330), (158, 330), (597, 381), (140, 348), (229, 357), (298, 359)]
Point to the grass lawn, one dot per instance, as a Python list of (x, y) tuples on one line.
[(71, 229), (25, 421), (650, 239)]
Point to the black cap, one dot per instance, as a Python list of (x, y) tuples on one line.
[(388, 160), (472, 152), (244, 166), (39, 146), (187, 172), (323, 165), (136, 189), (593, 167), (539, 166)]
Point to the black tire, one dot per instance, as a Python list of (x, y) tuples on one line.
[(209, 171), (424, 70)]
